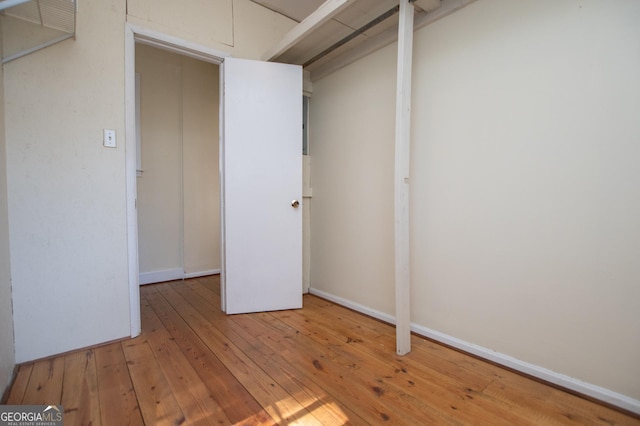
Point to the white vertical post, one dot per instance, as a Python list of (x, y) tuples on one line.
[(402, 144)]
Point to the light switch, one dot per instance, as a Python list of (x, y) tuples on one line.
[(109, 139)]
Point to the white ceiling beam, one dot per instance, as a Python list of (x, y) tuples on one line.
[(384, 39), (326, 11)]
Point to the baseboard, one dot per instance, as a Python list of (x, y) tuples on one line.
[(171, 275), (161, 276), (202, 273), (353, 305), (593, 391)]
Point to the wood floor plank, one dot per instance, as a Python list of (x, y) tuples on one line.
[(157, 403), (193, 397), (432, 389), (347, 377), (343, 334), (80, 398), (16, 394), (551, 406), (115, 388), (415, 372), (239, 406), (333, 376), (328, 410), (383, 367), (281, 406), (204, 289), (210, 283), (45, 382), (361, 324)]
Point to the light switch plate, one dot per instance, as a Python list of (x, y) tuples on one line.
[(109, 139)]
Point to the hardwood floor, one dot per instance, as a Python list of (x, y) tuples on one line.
[(322, 365)]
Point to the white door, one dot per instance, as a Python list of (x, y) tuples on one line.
[(261, 166)]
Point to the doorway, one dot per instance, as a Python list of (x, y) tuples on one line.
[(178, 179), (135, 35), (279, 127)]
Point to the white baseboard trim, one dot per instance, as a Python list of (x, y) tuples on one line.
[(588, 389), (171, 275), (202, 273), (353, 305), (161, 276)]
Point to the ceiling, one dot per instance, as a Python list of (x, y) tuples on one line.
[(46, 21), (294, 9), (55, 14), (348, 26)]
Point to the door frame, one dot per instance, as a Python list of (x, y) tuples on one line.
[(137, 34)]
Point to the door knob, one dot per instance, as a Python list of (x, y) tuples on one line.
[(295, 204)]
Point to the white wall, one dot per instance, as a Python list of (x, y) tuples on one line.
[(524, 216), (66, 192), (7, 346), (178, 191)]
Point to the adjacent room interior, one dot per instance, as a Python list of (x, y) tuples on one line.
[(178, 179)]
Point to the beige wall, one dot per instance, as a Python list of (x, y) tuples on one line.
[(190, 19), (7, 346), (178, 192), (352, 132), (524, 184), (201, 83), (160, 185), (66, 192)]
